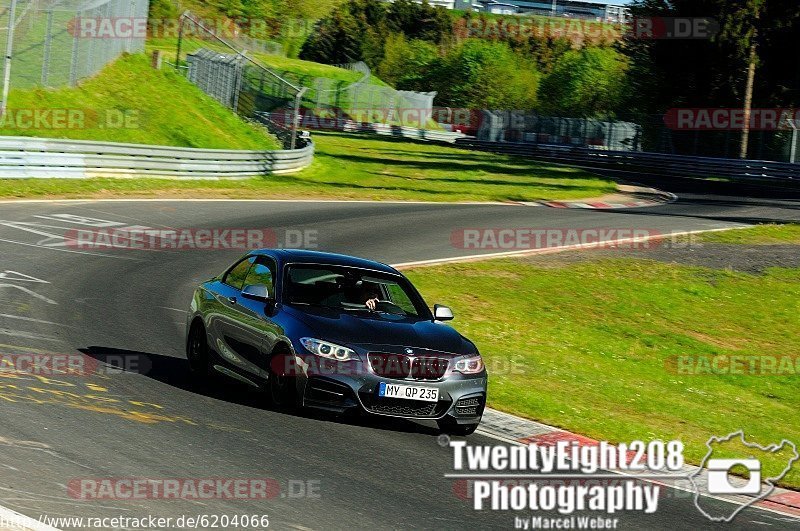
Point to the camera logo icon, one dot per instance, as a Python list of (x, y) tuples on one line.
[(720, 479), (745, 480)]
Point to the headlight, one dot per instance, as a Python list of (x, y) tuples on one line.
[(327, 350), (470, 365)]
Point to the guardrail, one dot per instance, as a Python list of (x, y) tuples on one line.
[(401, 131), (652, 163), (276, 121), (24, 157)]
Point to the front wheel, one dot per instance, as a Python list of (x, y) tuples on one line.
[(451, 427), (197, 353), (282, 389)]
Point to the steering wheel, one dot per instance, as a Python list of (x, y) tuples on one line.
[(389, 307)]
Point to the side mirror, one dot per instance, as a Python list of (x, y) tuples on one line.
[(442, 313), (256, 292)]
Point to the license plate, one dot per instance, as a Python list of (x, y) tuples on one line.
[(408, 392)]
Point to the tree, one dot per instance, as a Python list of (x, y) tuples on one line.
[(162, 10), (714, 72), (405, 61), (484, 75), (335, 40), (587, 83), (372, 23), (544, 50)]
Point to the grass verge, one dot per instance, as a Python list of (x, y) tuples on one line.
[(128, 101), (358, 167), (592, 347), (767, 234)]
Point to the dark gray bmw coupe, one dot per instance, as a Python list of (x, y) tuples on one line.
[(335, 332)]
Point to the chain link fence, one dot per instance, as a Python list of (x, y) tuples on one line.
[(652, 134), (59, 42), (361, 100), (239, 82), (251, 88)]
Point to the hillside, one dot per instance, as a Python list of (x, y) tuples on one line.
[(296, 70), (129, 101)]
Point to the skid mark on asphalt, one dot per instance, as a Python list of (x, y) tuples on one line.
[(26, 335), (68, 250), (37, 447), (31, 320), (17, 496)]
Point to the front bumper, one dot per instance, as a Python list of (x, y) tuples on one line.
[(461, 397)]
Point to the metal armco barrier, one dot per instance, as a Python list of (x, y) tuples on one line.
[(652, 163), (23, 157), (411, 133), (276, 121)]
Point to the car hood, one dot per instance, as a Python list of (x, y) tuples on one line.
[(374, 331)]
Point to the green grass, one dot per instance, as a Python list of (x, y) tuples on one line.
[(398, 169), (305, 71), (359, 167), (159, 107), (586, 346), (297, 70), (768, 234)]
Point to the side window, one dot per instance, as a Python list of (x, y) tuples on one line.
[(235, 277), (262, 272), (399, 297)]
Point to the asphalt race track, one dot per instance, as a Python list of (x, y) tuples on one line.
[(150, 422)]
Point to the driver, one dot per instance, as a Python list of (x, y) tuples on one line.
[(371, 296)]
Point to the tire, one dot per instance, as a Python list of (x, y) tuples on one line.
[(281, 387), (197, 353), (451, 427)]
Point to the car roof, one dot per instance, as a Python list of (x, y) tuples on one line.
[(302, 256)]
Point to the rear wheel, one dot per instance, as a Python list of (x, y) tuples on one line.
[(451, 427), (197, 353)]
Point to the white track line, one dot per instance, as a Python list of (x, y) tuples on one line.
[(559, 249), (14, 521)]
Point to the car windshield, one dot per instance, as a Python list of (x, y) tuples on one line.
[(349, 289)]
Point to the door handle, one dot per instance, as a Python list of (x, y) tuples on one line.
[(232, 300)]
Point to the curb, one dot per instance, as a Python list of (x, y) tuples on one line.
[(645, 197), (518, 430)]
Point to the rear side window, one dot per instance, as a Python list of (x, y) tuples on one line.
[(237, 274)]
